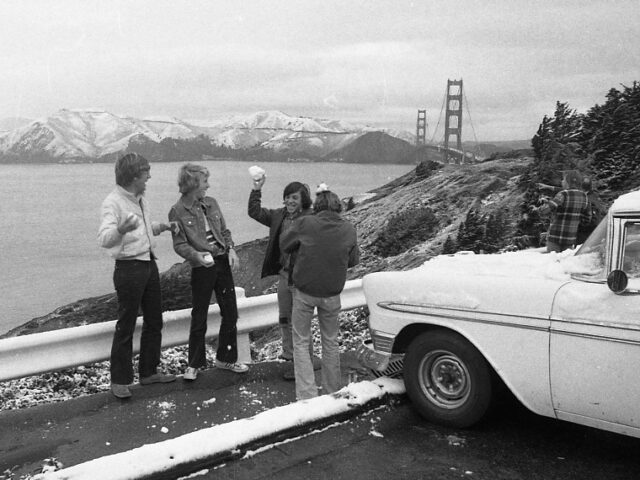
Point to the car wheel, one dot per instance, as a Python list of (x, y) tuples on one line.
[(447, 379)]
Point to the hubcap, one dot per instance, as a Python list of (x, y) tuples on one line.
[(444, 379)]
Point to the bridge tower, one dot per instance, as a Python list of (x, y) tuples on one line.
[(453, 118), (421, 128)]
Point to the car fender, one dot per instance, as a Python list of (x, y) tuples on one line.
[(506, 319)]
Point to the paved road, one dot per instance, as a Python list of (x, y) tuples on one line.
[(395, 443), (391, 442)]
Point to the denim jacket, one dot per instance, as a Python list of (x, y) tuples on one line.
[(192, 236)]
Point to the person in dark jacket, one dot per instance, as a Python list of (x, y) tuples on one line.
[(326, 245), (205, 241), (297, 203)]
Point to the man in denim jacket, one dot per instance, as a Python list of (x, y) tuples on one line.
[(205, 241)]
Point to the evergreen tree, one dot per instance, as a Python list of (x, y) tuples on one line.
[(495, 226), (448, 247), (471, 232)]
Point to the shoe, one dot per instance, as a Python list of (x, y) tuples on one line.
[(233, 366), (158, 378), (190, 373), (120, 391)]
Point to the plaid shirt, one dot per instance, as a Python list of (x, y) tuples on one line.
[(570, 208)]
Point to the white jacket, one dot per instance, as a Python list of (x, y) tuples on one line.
[(136, 244)]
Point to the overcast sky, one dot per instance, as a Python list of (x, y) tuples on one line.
[(375, 62)]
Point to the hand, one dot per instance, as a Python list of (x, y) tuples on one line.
[(164, 227), (205, 259), (130, 223), (174, 227), (257, 184), (234, 261)]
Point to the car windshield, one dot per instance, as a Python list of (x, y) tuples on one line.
[(591, 255), (631, 257)]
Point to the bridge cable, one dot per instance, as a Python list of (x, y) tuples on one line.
[(444, 101), (466, 104)]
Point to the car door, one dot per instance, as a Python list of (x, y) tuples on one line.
[(595, 355)]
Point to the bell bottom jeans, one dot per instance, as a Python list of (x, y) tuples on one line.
[(285, 310), (204, 281), (137, 284), (328, 310)]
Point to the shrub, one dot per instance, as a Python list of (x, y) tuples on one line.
[(404, 231)]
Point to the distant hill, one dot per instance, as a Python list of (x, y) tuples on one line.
[(74, 135), (498, 147), (374, 147)]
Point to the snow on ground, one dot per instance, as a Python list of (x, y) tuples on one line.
[(89, 379), (159, 457)]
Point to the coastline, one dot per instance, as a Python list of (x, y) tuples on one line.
[(176, 294)]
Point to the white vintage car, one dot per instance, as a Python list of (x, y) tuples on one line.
[(561, 331)]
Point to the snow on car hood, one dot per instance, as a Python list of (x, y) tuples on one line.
[(532, 263), (521, 283)]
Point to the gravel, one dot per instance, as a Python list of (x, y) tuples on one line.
[(90, 379)]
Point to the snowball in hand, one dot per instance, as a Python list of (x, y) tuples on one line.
[(256, 172)]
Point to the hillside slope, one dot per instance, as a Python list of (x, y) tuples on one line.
[(449, 190)]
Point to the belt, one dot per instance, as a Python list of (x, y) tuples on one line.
[(125, 262)]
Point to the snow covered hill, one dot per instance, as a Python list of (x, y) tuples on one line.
[(87, 135)]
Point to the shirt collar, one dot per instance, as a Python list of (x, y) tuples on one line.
[(126, 193), (196, 203)]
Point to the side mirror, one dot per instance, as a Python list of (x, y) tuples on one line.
[(617, 281)]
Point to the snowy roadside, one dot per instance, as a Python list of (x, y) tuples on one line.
[(90, 379), (196, 447)]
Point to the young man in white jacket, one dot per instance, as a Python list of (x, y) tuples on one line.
[(127, 231)]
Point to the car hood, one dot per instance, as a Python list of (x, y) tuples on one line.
[(516, 283)]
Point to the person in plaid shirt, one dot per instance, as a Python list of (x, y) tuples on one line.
[(570, 208)]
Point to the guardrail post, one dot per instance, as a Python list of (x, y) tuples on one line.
[(244, 348)]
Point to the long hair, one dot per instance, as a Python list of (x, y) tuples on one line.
[(327, 200), (305, 196), (189, 177), (128, 167)]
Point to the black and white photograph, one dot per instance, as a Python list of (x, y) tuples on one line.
[(310, 239)]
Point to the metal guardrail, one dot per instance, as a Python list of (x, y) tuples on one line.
[(71, 347)]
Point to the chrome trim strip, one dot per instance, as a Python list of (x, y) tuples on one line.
[(590, 336), (397, 307), (615, 326), (393, 306)]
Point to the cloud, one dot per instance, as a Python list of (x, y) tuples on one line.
[(378, 60)]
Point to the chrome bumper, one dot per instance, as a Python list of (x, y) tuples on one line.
[(380, 363)]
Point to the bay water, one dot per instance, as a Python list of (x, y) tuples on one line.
[(49, 254)]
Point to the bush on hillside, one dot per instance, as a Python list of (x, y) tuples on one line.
[(481, 232), (404, 231)]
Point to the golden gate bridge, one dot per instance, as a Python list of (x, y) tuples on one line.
[(450, 147)]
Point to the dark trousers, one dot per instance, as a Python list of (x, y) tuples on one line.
[(137, 284), (204, 281)]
